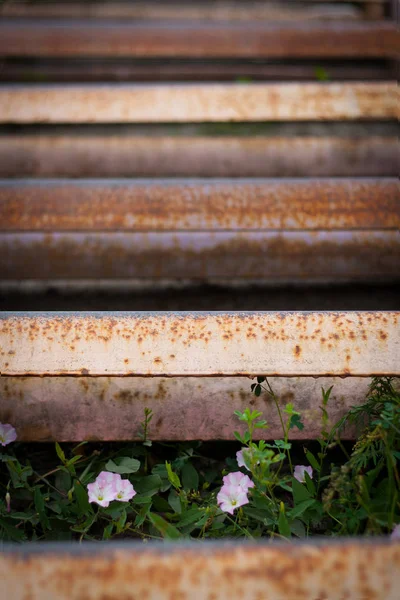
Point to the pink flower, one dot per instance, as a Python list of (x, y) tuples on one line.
[(106, 478), (100, 493), (240, 458), (395, 535), (231, 497), (108, 487), (7, 434), (299, 471), (238, 479), (124, 490)]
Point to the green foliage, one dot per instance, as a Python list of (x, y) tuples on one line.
[(176, 486)]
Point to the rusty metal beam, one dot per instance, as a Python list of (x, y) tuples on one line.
[(252, 39), (89, 155), (197, 103), (180, 103), (200, 205), (333, 570), (183, 11), (277, 257), (200, 344), (62, 409)]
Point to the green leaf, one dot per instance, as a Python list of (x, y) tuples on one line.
[(60, 453), (120, 524), (173, 477), (190, 477), (175, 502), (295, 421), (107, 533), (82, 499), (299, 509), (264, 516), (283, 524), (141, 516), (298, 529), (312, 460), (167, 530), (40, 507), (310, 484), (123, 466), (11, 532), (148, 485), (7, 457), (299, 491), (257, 390), (189, 517), (160, 504)]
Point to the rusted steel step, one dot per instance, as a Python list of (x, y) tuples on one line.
[(74, 409), (200, 344), (275, 256), (200, 205), (159, 103), (199, 39), (229, 10), (332, 570), (94, 155), (275, 230)]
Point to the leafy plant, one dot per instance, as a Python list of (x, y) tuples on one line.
[(175, 491)]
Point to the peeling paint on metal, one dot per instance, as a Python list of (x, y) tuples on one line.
[(179, 205), (351, 569), (159, 103), (200, 344)]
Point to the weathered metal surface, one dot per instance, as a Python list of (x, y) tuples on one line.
[(330, 570), (193, 205), (252, 39), (274, 256), (200, 344), (65, 409), (210, 11), (47, 70), (158, 103), (121, 156)]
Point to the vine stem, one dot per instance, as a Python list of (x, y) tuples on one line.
[(285, 433)]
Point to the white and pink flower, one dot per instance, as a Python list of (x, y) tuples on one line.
[(238, 479), (7, 434), (108, 487), (231, 497), (299, 472), (124, 490)]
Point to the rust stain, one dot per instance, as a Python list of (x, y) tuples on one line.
[(197, 103), (357, 569), (148, 206), (281, 255), (180, 342)]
